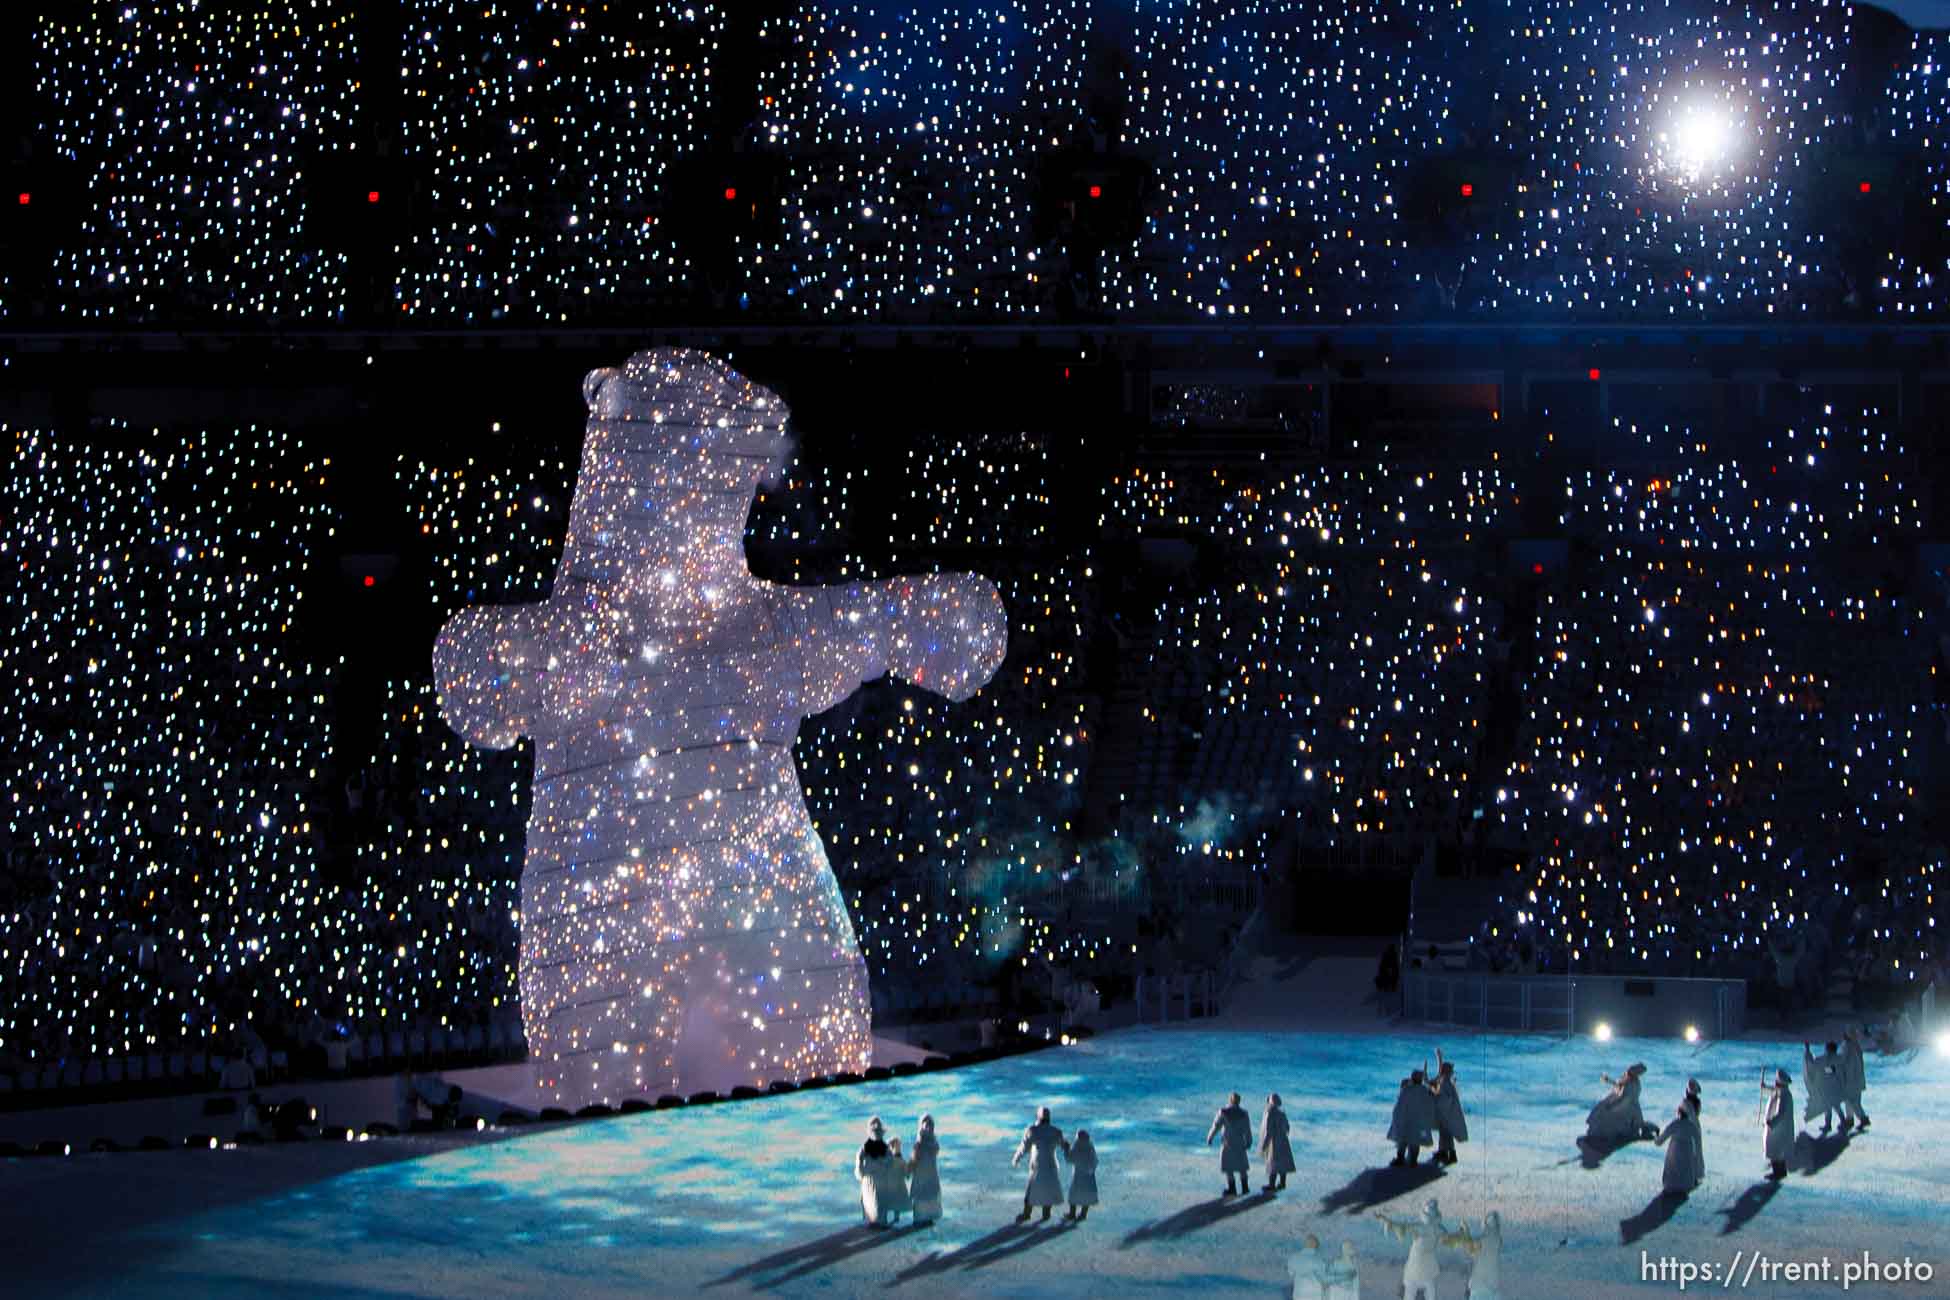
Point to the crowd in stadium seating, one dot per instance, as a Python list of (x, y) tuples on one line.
[(992, 160)]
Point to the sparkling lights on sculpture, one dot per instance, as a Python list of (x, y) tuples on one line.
[(681, 924)]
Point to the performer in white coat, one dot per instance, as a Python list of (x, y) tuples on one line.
[(1303, 1267), (1317, 1277), (1341, 1279), (1777, 1124), (1083, 1177), (924, 1174), (894, 1198), (1274, 1146), (1854, 1078), (1486, 1249), (1412, 1126), (1823, 1077), (1423, 1235), (1234, 1157), (1450, 1124), (877, 1168), (1619, 1118), (1680, 1138), (1040, 1142)]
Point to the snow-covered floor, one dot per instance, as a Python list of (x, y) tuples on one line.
[(757, 1196)]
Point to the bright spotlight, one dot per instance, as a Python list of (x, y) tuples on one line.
[(1603, 1032), (1698, 141), (1943, 1043), (1692, 1033)]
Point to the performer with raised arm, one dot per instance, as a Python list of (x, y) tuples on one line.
[(1274, 1147), (1618, 1117), (1423, 1235), (1486, 1250), (1316, 1277), (1040, 1142), (1237, 1128)]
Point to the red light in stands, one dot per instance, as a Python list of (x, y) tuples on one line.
[(1865, 187), (1468, 190), (372, 196), (370, 580), (25, 198), (730, 193), (1536, 568), (1096, 191), (1593, 372)]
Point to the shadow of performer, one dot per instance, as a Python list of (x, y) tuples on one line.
[(1655, 1214), (1193, 1218), (1009, 1239), (1815, 1154), (1376, 1187), (1751, 1202), (1593, 1152), (786, 1265), (1026, 1241)]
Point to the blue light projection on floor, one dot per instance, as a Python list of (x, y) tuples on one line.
[(758, 1196)]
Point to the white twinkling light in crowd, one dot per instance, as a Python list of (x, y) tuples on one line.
[(165, 728), (681, 924), (993, 159)]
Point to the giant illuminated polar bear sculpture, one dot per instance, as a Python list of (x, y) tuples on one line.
[(680, 925)]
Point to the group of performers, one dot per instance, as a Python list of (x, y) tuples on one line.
[(892, 1184), (1835, 1081), (1428, 1112)]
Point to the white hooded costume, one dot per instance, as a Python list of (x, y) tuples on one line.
[(1423, 1235), (883, 1191), (1486, 1249), (924, 1173), (1341, 1278), (1618, 1118), (1317, 1277), (1040, 1142)]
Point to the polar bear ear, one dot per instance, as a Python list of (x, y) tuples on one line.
[(592, 386)]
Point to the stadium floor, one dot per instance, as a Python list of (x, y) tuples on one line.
[(758, 1197)]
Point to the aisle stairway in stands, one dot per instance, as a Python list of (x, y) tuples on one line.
[(1313, 980)]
